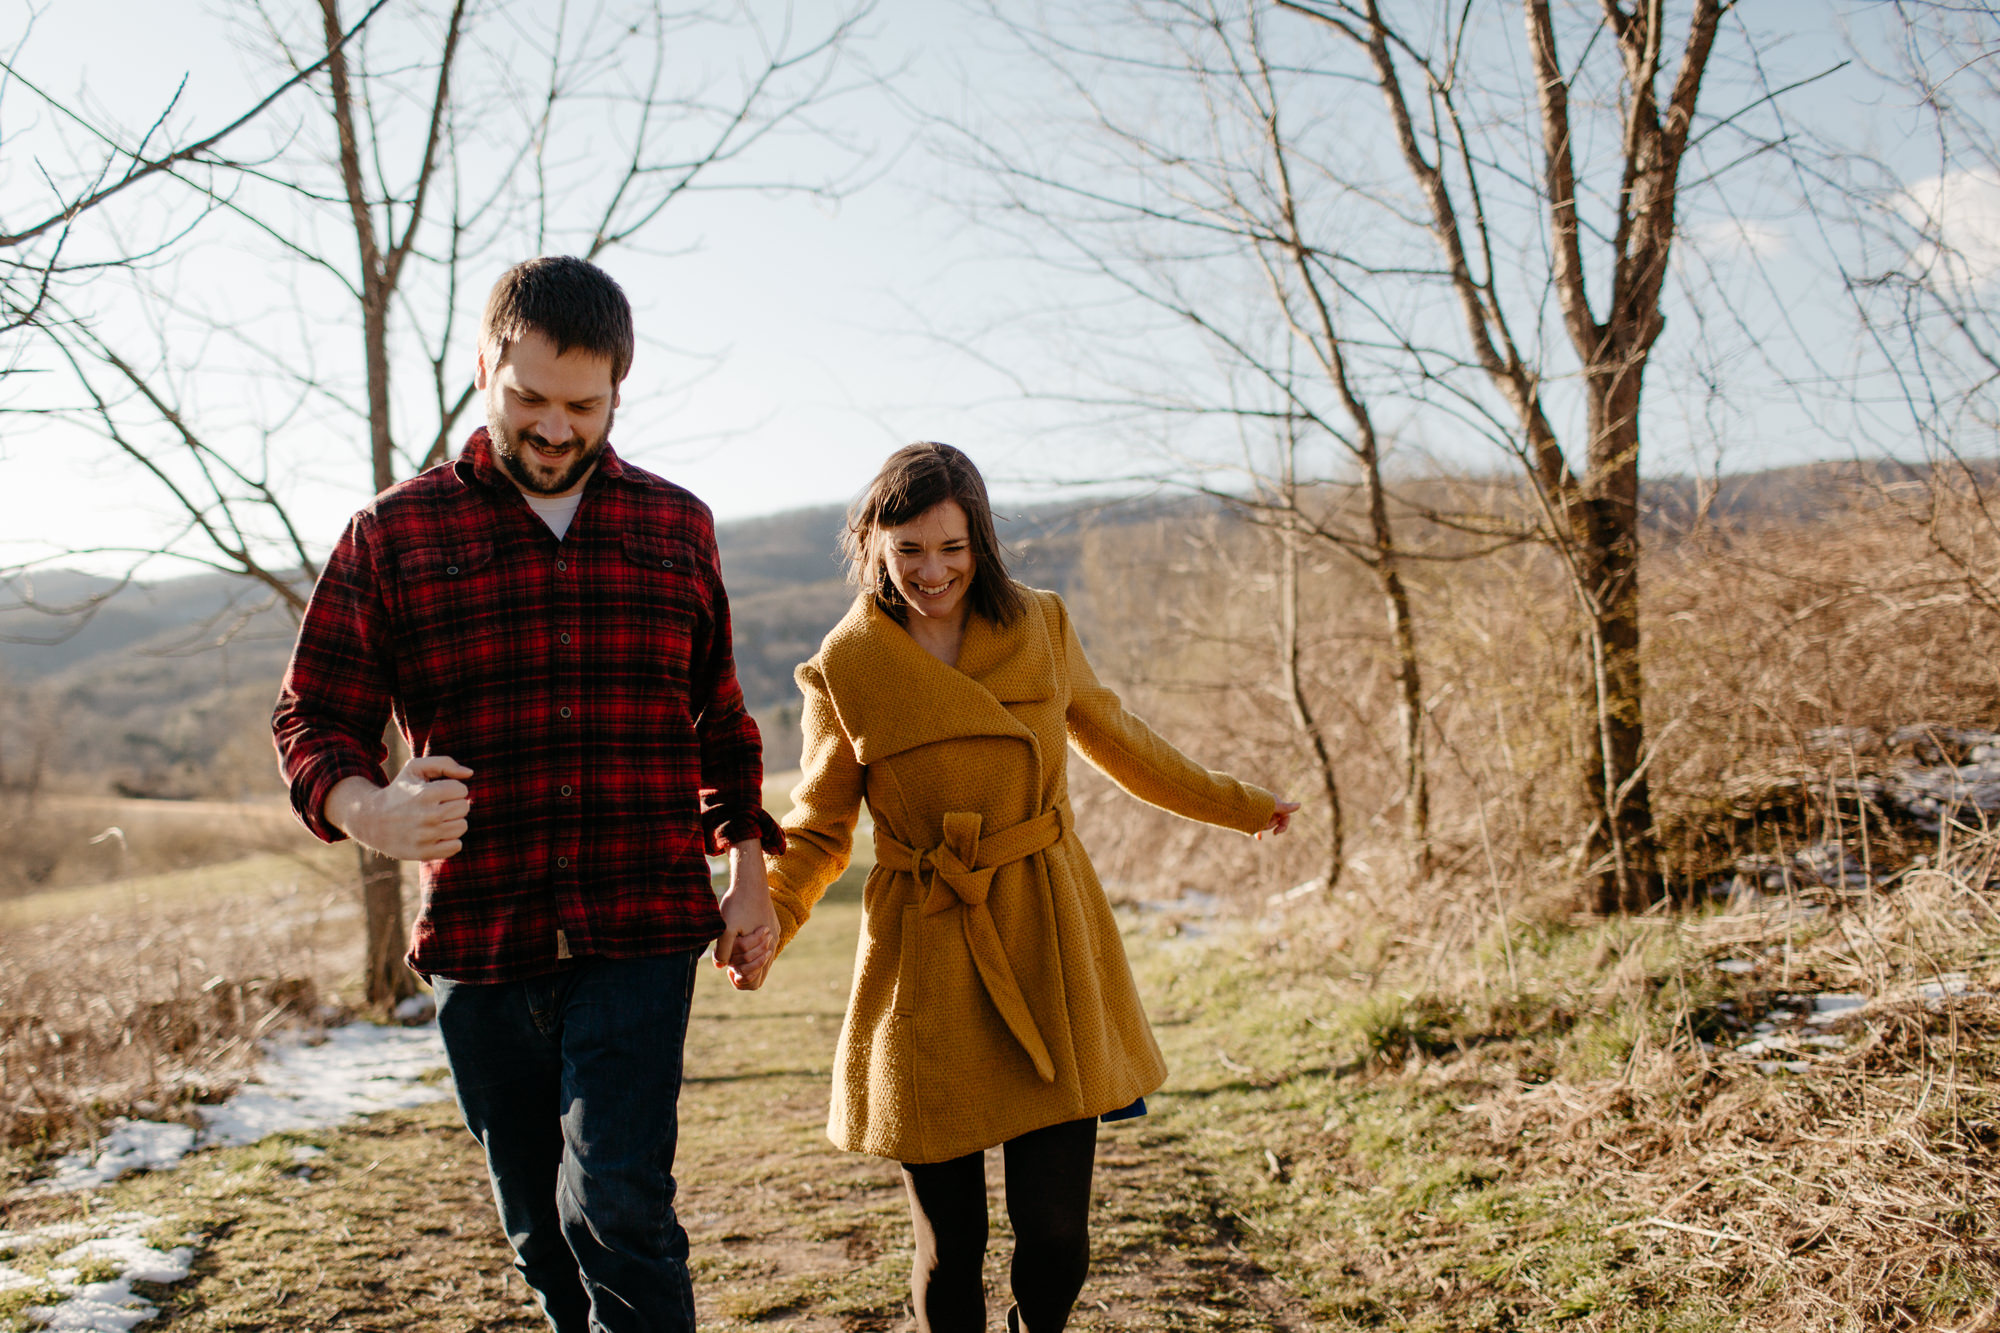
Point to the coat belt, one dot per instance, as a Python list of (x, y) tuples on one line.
[(959, 873)]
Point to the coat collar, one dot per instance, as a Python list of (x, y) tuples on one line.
[(894, 696)]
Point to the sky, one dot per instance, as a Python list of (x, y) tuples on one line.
[(787, 343), (779, 360)]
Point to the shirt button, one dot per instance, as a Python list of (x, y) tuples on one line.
[(561, 566), (666, 564), (565, 638), (451, 569), (564, 712), (562, 862), (565, 791)]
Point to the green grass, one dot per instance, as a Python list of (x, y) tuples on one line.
[(1336, 1148)]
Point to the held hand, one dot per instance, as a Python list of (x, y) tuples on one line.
[(749, 939), (419, 816), (752, 956), (1281, 818)]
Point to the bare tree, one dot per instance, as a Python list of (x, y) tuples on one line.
[(1189, 185), (1291, 658), (401, 171), (1628, 222), (32, 257), (1463, 221)]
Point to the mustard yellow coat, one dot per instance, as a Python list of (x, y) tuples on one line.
[(991, 993)]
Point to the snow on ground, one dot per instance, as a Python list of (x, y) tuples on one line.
[(356, 1070), (87, 1286)]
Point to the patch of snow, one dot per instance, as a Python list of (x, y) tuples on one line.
[(1735, 966), (356, 1070), (1833, 865), (1949, 986), (1932, 794), (116, 1242), (1859, 739), (1833, 1008), (1785, 1066), (418, 1008), (138, 1261), (353, 1071), (1927, 742), (132, 1145)]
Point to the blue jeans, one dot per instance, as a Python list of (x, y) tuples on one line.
[(570, 1083)]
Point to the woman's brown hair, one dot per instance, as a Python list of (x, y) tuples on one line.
[(915, 478)]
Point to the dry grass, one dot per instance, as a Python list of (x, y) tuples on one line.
[(1759, 639), (59, 840), (147, 995), (393, 1226), (1554, 1130), (1863, 1192)]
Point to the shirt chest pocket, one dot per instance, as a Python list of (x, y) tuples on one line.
[(664, 603), (449, 612)]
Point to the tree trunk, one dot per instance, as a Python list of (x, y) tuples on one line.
[(1302, 713), (388, 980), (1409, 674), (1622, 868)]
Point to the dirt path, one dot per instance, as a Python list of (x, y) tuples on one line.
[(794, 1234), (388, 1225)]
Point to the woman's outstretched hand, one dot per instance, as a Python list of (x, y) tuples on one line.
[(1281, 818)]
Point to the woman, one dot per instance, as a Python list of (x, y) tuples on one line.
[(992, 1002)]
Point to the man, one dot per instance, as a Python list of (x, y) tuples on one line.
[(548, 627)]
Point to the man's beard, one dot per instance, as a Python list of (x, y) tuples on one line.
[(511, 450)]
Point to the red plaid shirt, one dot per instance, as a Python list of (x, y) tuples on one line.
[(587, 683)]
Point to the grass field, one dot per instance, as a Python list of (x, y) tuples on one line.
[(1549, 1130), (392, 1227)]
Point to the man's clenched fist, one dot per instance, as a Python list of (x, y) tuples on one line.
[(419, 816)]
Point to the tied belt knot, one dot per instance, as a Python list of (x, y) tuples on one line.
[(958, 872)]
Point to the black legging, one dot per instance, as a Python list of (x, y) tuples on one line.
[(1048, 1202)]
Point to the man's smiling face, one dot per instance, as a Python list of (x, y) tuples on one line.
[(549, 415)]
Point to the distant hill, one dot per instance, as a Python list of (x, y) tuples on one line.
[(165, 689)]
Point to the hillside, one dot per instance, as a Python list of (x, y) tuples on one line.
[(163, 689)]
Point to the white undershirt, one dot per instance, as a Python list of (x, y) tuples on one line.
[(556, 511)]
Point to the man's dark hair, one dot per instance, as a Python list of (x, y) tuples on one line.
[(916, 477), (570, 301)]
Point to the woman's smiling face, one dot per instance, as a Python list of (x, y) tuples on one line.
[(930, 561)]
